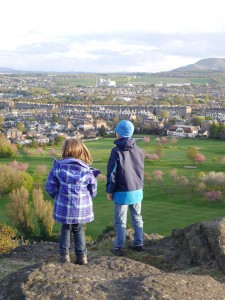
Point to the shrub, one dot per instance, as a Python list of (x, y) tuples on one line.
[(201, 187), (213, 195), (173, 173), (19, 211), (6, 148), (8, 239), (223, 160), (214, 179), (19, 166), (43, 211), (41, 169), (181, 182), (101, 177), (13, 178)]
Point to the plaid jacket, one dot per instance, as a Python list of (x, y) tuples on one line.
[(72, 184)]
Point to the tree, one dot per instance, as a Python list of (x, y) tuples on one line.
[(1, 120), (59, 139), (54, 119), (102, 131), (197, 120), (191, 154), (20, 126), (199, 158), (159, 150), (165, 114)]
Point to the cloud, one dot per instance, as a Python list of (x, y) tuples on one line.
[(124, 35), (117, 51)]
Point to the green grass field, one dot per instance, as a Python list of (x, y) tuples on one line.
[(165, 206)]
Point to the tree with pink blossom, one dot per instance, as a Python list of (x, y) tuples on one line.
[(164, 140), (152, 156), (200, 158), (173, 140), (18, 165), (146, 139), (158, 175), (147, 178), (52, 152), (40, 150)]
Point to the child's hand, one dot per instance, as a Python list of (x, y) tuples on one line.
[(109, 197)]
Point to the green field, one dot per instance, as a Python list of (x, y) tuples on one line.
[(165, 206), (196, 78)]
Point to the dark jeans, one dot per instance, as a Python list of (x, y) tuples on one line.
[(77, 230)]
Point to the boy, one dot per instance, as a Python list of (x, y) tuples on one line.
[(125, 174)]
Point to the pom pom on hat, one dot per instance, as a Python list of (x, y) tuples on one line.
[(125, 128)]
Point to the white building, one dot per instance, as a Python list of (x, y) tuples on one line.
[(104, 82)]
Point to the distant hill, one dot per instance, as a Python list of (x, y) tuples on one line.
[(207, 64), (8, 70), (213, 65)]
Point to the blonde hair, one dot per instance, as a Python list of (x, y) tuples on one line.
[(76, 149)]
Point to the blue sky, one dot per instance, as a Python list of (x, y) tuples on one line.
[(115, 36)]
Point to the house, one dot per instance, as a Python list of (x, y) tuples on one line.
[(76, 134), (42, 139), (99, 123), (90, 134), (181, 131), (85, 125), (13, 133), (203, 133)]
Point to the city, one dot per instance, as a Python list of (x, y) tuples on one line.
[(41, 107)]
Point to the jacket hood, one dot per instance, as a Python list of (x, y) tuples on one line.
[(125, 143), (77, 162)]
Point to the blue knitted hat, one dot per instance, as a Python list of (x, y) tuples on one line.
[(125, 128)]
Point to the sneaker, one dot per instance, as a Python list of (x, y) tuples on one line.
[(81, 260), (64, 258), (118, 251), (138, 248)]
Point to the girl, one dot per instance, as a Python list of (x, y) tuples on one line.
[(72, 183)]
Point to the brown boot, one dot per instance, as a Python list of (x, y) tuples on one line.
[(81, 260), (64, 258)]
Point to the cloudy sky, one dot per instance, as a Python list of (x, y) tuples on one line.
[(109, 36)]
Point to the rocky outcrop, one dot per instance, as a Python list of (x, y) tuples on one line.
[(201, 244), (107, 278), (165, 270)]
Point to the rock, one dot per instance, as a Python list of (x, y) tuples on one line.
[(198, 244), (196, 249), (107, 278)]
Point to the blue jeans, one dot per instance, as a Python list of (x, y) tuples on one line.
[(77, 230), (120, 222)]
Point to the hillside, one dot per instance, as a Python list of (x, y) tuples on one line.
[(190, 264), (7, 70), (208, 64)]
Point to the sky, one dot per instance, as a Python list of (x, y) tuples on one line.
[(109, 36)]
